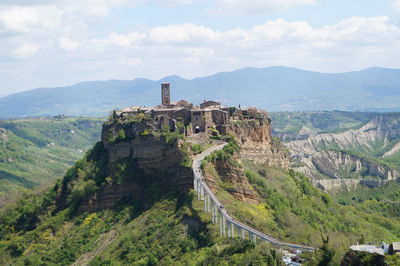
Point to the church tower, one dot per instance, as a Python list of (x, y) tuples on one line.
[(165, 94)]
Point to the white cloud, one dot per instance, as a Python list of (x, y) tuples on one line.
[(257, 6), (26, 19), (26, 50), (181, 33), (126, 40), (52, 29), (396, 5), (68, 44)]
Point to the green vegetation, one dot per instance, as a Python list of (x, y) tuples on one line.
[(36, 152), (361, 258), (291, 209), (171, 231), (384, 200), (227, 152)]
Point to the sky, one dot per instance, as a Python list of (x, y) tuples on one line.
[(49, 43)]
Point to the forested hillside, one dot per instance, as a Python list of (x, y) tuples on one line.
[(171, 229), (36, 152)]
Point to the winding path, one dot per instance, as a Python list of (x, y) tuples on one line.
[(227, 224)]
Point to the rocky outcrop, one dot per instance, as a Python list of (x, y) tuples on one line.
[(381, 128), (149, 163), (346, 184), (237, 182), (333, 164), (316, 158), (395, 149), (257, 144), (3, 134)]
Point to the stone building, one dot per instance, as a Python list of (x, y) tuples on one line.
[(394, 248), (195, 119), (208, 104), (165, 94)]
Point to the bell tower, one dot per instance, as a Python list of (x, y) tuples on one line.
[(165, 94)]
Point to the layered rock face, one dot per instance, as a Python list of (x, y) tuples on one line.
[(381, 128), (331, 163), (155, 166), (257, 145), (239, 186), (346, 184), (316, 158)]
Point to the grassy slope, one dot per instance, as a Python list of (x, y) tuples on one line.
[(172, 231), (292, 210), (27, 157)]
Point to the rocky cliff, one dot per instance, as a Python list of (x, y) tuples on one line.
[(322, 156), (257, 144), (335, 164), (346, 184), (233, 176), (382, 128), (140, 162)]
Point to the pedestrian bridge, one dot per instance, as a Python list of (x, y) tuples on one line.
[(229, 227)]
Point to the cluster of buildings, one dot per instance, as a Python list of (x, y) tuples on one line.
[(378, 247), (210, 115)]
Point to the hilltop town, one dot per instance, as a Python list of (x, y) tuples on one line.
[(205, 118)]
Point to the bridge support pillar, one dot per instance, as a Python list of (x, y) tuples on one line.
[(214, 212), (198, 190), (232, 230), (221, 227), (252, 237), (205, 202), (242, 232)]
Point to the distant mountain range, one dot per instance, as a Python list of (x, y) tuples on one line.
[(272, 88)]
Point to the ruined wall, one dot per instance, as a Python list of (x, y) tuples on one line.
[(257, 144)]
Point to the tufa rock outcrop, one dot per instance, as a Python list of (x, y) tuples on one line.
[(140, 163), (257, 145), (233, 175)]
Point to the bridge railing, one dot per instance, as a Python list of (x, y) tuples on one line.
[(230, 227)]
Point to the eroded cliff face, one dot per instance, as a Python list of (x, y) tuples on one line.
[(238, 185), (335, 185), (140, 164), (333, 164), (257, 145), (381, 128), (319, 158)]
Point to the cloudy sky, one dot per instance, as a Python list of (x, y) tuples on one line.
[(61, 42)]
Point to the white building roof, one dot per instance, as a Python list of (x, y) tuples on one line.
[(368, 248)]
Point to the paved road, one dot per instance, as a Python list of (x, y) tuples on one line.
[(198, 176)]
